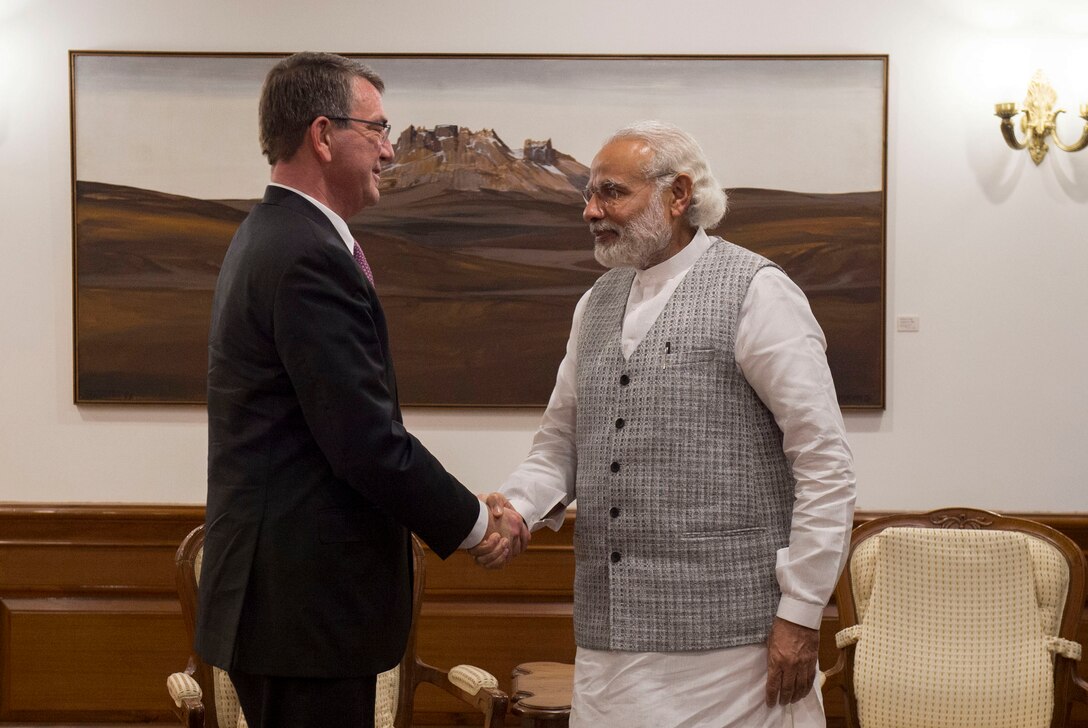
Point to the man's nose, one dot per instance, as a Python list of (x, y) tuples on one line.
[(592, 210)]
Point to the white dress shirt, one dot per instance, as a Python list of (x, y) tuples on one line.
[(780, 351)]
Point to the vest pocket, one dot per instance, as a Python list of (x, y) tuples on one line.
[(722, 534), (680, 358)]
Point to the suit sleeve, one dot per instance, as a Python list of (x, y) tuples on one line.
[(326, 330)]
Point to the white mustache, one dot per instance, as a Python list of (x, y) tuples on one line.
[(604, 227)]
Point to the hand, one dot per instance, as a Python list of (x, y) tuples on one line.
[(506, 536), (502, 509), (792, 651)]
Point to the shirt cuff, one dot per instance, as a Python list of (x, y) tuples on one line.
[(552, 518), (476, 535), (802, 613)]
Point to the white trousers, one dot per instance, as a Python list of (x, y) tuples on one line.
[(711, 689)]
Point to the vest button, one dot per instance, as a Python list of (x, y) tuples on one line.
[(624, 380), (615, 467), (615, 557), (614, 512), (619, 423)]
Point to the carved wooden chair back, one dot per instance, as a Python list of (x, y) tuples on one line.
[(959, 617)]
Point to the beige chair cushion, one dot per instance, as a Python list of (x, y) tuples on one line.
[(226, 698), (385, 698), (226, 701), (956, 627)]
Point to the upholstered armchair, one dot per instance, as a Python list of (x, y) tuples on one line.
[(959, 617), (203, 695)]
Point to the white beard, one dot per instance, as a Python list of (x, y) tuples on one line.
[(639, 242)]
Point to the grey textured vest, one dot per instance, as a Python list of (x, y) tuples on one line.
[(684, 493)]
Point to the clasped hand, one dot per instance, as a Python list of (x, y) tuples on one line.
[(506, 536)]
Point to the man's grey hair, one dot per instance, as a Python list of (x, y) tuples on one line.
[(301, 88), (676, 152)]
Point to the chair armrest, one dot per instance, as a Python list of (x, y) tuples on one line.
[(1079, 691), (188, 699), (471, 678), (471, 685), (1063, 647), (833, 677)]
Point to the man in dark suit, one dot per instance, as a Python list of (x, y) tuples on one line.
[(314, 485)]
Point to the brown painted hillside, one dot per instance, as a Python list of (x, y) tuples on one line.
[(478, 286)]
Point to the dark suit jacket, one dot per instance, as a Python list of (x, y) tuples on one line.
[(313, 482)]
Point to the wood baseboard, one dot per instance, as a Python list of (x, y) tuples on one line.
[(90, 624)]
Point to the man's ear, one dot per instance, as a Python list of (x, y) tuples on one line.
[(681, 189), (319, 138)]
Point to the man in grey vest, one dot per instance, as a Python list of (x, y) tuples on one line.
[(695, 419)]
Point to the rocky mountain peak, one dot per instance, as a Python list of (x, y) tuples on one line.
[(539, 152), (453, 157)]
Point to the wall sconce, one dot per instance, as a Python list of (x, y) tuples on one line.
[(1038, 121)]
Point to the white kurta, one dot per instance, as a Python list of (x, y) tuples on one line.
[(780, 351)]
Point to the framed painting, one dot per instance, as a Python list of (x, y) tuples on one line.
[(478, 245)]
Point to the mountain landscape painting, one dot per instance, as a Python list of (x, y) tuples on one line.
[(478, 246)]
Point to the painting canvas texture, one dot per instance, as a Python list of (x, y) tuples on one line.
[(478, 247)]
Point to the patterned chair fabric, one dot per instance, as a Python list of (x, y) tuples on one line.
[(226, 701), (385, 699), (956, 627), (466, 682)]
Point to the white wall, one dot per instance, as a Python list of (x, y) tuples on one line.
[(987, 404)]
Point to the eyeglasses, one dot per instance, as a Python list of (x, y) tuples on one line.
[(611, 193), (384, 126)]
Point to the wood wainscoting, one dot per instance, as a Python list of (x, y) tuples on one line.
[(90, 624)]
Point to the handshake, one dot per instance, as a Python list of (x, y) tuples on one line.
[(507, 534)]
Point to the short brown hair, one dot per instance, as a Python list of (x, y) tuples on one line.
[(301, 88)]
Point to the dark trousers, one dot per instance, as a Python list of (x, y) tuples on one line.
[(296, 702)]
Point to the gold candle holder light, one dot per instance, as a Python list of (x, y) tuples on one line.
[(1038, 120)]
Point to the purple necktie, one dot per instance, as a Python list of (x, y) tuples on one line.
[(357, 252)]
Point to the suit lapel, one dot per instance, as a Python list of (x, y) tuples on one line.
[(274, 195)]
